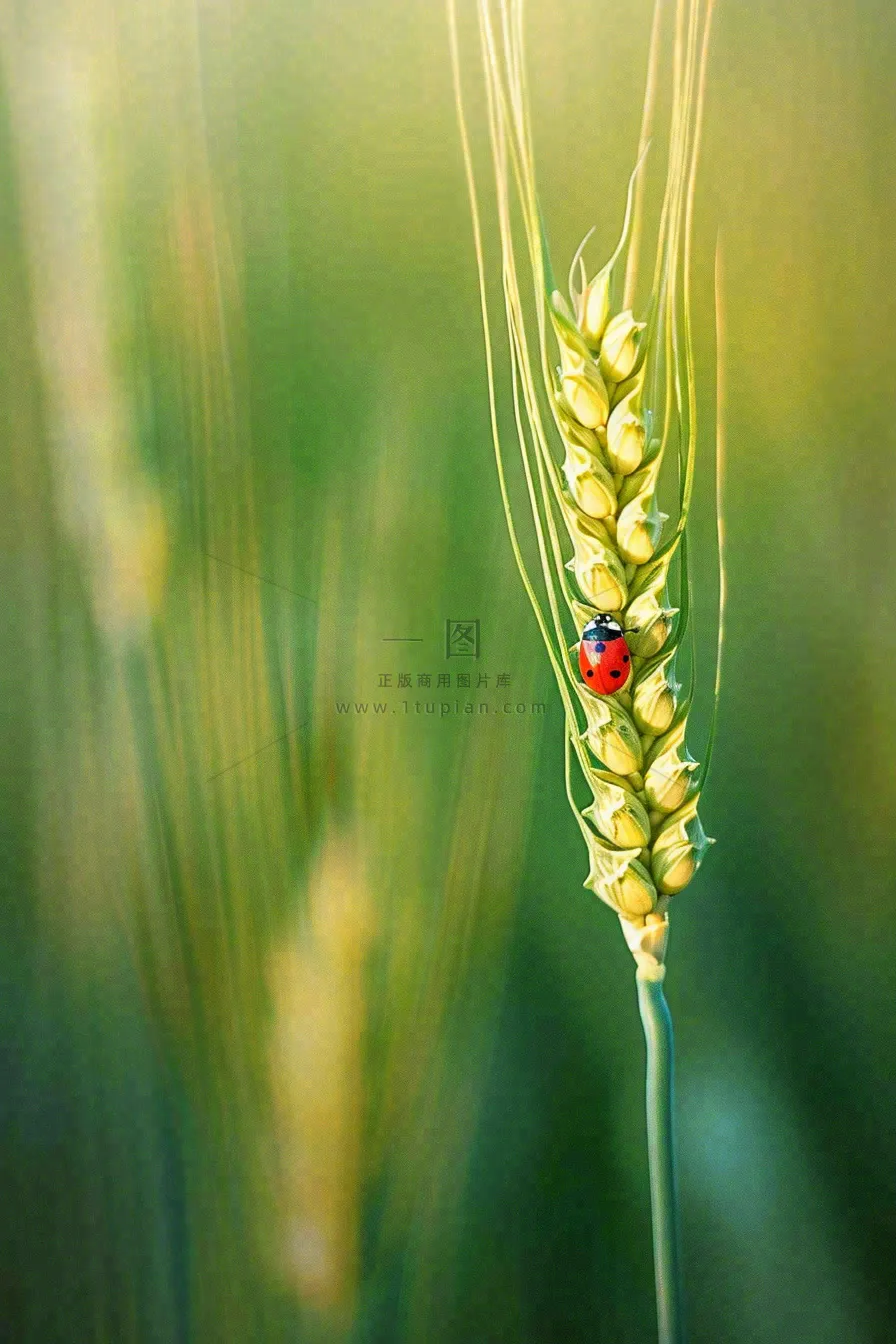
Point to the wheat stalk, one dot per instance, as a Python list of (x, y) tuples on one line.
[(616, 404)]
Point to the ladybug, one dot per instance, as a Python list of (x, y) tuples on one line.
[(604, 657)]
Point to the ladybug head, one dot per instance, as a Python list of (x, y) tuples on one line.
[(603, 628)]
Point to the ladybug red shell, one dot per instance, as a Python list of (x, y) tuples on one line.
[(605, 660)]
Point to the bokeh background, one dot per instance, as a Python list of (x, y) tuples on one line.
[(309, 1030)]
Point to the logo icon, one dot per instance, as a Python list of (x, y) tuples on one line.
[(461, 639)]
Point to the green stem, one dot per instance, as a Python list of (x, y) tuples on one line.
[(657, 1023)]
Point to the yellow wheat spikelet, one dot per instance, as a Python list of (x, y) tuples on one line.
[(604, 398)]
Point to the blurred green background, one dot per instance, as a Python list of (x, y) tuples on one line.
[(308, 1028)]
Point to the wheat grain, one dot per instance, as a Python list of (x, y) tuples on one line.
[(615, 403)]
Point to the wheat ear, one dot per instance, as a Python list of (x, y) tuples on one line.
[(617, 407)]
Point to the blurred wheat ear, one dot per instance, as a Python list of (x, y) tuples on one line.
[(601, 434)]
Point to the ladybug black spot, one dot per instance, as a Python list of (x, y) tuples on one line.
[(615, 672), (600, 647), (625, 658), (590, 672)]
